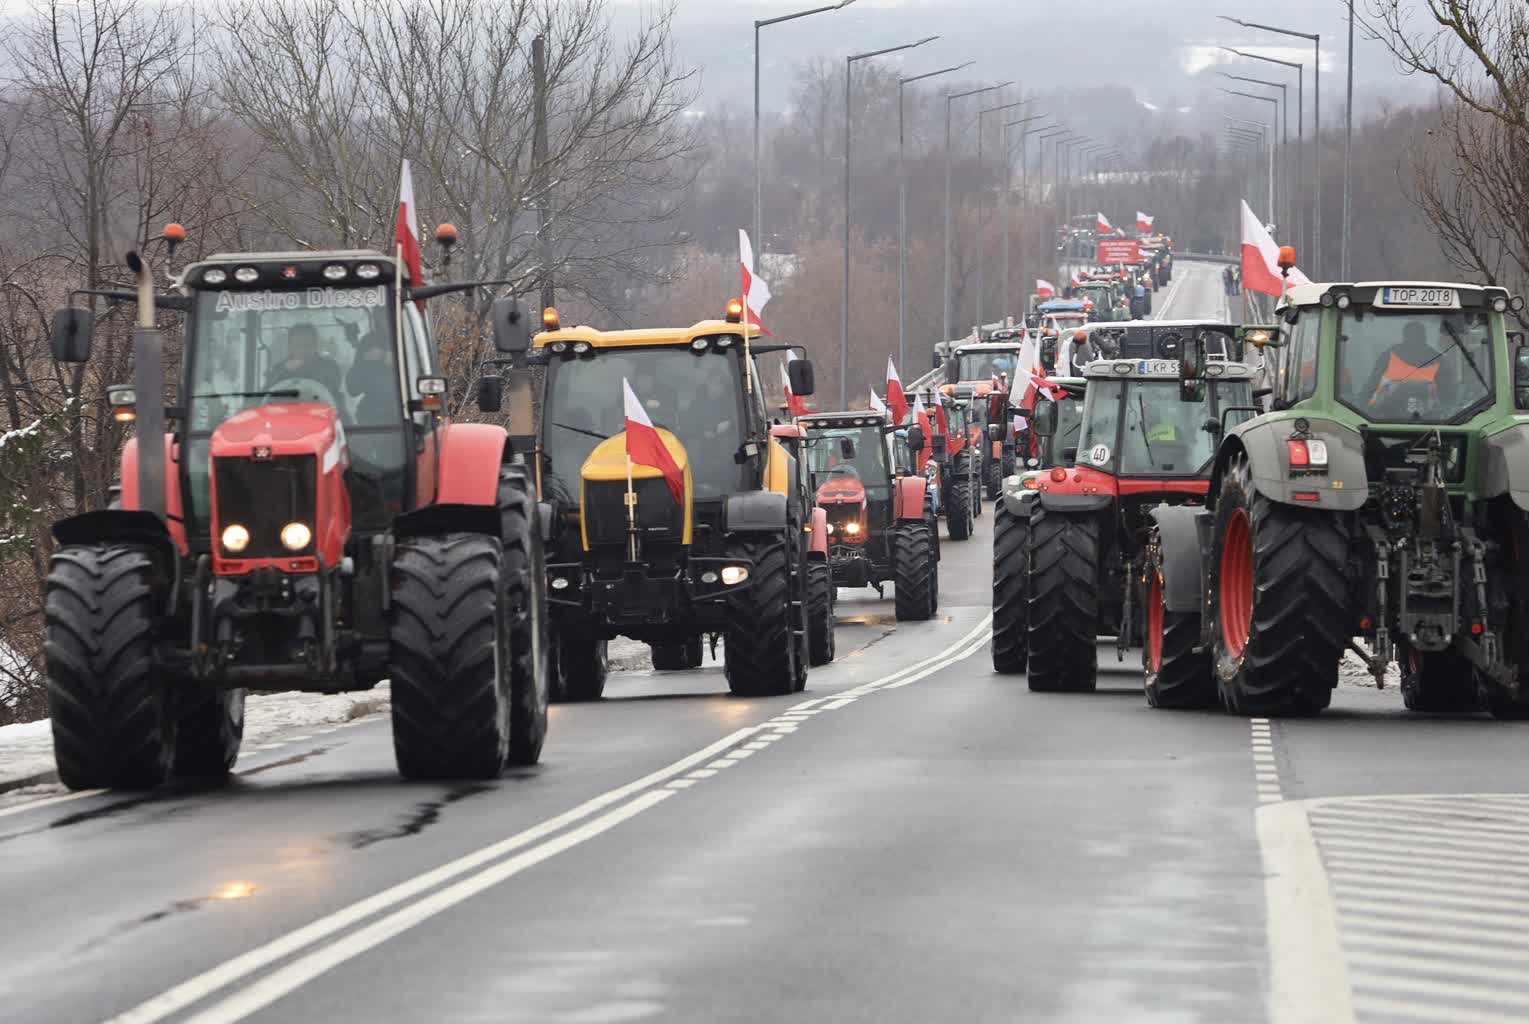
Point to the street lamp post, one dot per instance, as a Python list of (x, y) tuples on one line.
[(759, 242), (1266, 134), (1301, 221), (1273, 132), (981, 196), (1063, 174), (902, 215), (945, 295), (1050, 135), (1344, 270), (1316, 117), (1284, 144), (1008, 195)]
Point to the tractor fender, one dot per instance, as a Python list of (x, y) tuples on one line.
[(129, 484), (1505, 464), (1178, 537), (468, 464), (909, 502), (1343, 488), (130, 526), (1019, 501), (755, 512), (1053, 502), (817, 543)]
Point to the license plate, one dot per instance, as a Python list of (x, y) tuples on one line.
[(1158, 366), (1438, 297)]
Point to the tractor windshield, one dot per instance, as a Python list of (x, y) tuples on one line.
[(1141, 428), (827, 456), (698, 396), (1414, 367), (984, 364)]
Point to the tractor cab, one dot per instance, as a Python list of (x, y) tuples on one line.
[(1166, 339)]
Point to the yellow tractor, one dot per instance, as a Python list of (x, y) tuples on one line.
[(729, 560)]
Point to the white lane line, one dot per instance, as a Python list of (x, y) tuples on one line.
[(1265, 767), (1473, 821), (306, 967), (1307, 977), (33, 805), (271, 988), (1420, 848), (1401, 859), (842, 702), (1428, 897), (804, 705), (1453, 991), (1342, 866), (1427, 881), (1396, 1008), (1415, 947), (1362, 929), (1391, 908), (1417, 838), (756, 745)]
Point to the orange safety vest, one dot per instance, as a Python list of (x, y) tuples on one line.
[(1399, 371)]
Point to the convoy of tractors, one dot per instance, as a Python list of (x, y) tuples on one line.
[(1244, 503)]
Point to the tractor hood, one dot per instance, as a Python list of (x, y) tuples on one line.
[(841, 490), (604, 476), (287, 428)]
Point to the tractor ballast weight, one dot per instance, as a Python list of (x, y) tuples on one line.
[(251, 546), (1382, 499)]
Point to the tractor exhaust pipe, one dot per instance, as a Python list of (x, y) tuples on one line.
[(149, 383)]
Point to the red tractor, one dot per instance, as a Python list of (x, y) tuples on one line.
[(1072, 542), (947, 463), (307, 518), (880, 524)]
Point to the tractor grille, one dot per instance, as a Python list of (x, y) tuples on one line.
[(605, 511), (263, 495), (840, 515)]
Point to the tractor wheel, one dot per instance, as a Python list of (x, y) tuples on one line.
[(523, 574), (932, 520), (1514, 634), (820, 614), (112, 719), (678, 657), (580, 668), (1175, 676), (1063, 602), (759, 656), (449, 633), (958, 507), (994, 479), (1281, 601), (1011, 590), (971, 472), (915, 573), (209, 727), (1436, 680)]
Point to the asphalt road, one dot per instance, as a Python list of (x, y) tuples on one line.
[(912, 839)]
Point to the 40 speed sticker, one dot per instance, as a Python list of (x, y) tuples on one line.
[(1099, 454)]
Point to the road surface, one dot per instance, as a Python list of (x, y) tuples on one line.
[(912, 839)]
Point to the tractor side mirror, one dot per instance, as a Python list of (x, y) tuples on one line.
[(937, 445), (1044, 420), (1192, 370), (491, 394), (847, 448), (70, 339), (995, 431), (916, 438), (935, 361), (512, 325), (1521, 378), (800, 373)]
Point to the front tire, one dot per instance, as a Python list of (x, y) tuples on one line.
[(915, 579), (680, 657), (1064, 603), (820, 614), (111, 715), (1175, 677), (1011, 590), (1281, 601), (209, 729), (759, 657), (958, 507), (994, 480), (450, 659), (523, 573), (581, 667), (1436, 681)]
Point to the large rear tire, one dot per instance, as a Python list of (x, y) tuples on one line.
[(209, 729), (993, 479), (915, 573), (820, 614), (111, 713), (1064, 602), (1176, 678), (680, 657), (523, 573), (958, 507), (760, 652), (1436, 681), (1281, 601), (1011, 590), (450, 659), (1500, 700)]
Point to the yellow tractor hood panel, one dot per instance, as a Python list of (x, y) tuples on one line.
[(609, 462)]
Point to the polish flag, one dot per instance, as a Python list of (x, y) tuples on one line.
[(406, 230), (1044, 289), (941, 418), (645, 448), (1102, 224), (895, 396), (1260, 258), (1143, 222), (877, 405), (795, 404), (755, 291), (921, 417)]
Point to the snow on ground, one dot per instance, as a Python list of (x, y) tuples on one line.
[(26, 750), (1352, 671)]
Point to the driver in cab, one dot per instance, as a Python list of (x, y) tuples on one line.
[(1409, 373), (304, 361)]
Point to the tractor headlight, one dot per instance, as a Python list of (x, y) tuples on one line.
[(295, 536), (733, 575), (335, 272), (368, 271), (235, 538), (852, 528)]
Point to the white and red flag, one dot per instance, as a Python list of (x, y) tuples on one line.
[(1103, 224), (877, 405), (895, 396), (406, 230), (921, 417), (755, 291), (796, 405), (645, 447), (1143, 222), (1044, 289), (1260, 258)]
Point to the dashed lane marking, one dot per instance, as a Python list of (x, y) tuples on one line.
[(318, 947), (1265, 770)]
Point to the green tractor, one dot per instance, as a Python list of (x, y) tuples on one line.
[(1383, 498)]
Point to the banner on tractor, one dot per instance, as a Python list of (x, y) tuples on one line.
[(1119, 250)]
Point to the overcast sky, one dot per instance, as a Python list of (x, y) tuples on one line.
[(1164, 49)]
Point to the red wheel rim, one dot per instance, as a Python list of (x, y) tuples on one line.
[(1155, 623), (1236, 579)]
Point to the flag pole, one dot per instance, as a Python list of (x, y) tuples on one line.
[(631, 512)]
